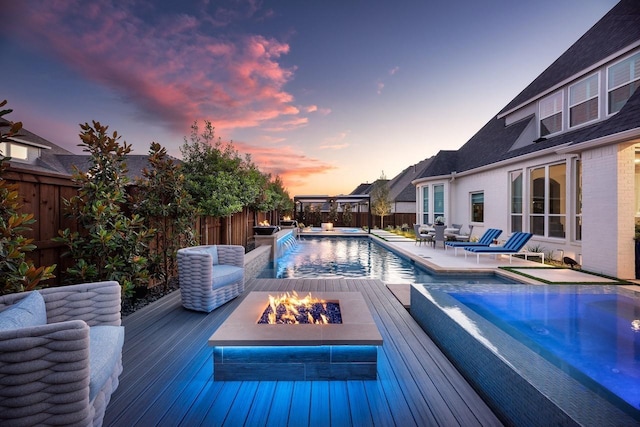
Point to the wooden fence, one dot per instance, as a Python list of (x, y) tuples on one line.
[(43, 195)]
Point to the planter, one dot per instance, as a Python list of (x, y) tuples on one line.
[(289, 223), (265, 230)]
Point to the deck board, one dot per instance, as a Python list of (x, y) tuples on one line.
[(167, 377)]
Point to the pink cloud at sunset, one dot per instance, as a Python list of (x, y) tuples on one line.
[(169, 70)]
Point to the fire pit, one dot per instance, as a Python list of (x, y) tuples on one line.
[(246, 350), (288, 309)]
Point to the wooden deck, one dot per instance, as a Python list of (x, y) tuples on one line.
[(167, 378)]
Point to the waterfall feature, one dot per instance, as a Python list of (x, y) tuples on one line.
[(285, 244)]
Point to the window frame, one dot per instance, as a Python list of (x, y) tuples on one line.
[(595, 96), (473, 204), (544, 211), (425, 205), (633, 81), (560, 95), (514, 225)]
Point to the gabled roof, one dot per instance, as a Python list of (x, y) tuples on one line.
[(400, 187), (619, 28), (496, 142), (364, 188)]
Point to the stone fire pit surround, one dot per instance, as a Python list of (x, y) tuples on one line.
[(246, 350)]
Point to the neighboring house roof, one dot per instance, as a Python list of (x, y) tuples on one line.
[(57, 160), (400, 187), (496, 142), (362, 189), (619, 28)]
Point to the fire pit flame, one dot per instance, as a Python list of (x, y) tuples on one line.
[(289, 308)]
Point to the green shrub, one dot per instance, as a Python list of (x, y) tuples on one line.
[(109, 244)]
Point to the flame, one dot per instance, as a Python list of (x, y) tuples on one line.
[(286, 218), (292, 304), (265, 222)]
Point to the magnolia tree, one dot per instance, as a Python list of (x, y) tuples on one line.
[(110, 243)]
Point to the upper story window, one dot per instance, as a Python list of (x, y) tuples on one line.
[(15, 151), (623, 79), (583, 101), (551, 114)]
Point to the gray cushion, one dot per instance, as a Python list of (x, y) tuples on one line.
[(213, 251), (29, 311), (105, 349), (224, 275)]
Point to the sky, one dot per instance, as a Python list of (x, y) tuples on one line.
[(325, 94)]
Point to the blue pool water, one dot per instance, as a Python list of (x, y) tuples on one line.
[(590, 332), (357, 257)]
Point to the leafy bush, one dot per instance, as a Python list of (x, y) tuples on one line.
[(110, 244), (17, 273), (162, 199)]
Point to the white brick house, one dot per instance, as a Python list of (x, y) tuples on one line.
[(561, 160)]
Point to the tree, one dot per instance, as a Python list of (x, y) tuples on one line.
[(17, 273), (380, 203), (347, 214), (166, 205), (213, 175), (110, 244)]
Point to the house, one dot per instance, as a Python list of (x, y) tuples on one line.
[(402, 193), (561, 160), (32, 153)]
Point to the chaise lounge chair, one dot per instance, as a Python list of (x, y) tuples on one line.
[(512, 246), (487, 238)]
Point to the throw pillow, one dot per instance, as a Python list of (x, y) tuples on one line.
[(29, 311)]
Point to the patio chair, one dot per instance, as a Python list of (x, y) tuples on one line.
[(465, 237), (60, 354), (438, 235), (487, 238), (210, 275), (512, 246), (420, 236)]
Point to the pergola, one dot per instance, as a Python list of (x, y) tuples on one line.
[(359, 199)]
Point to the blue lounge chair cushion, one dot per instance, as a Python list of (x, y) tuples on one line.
[(486, 239), (515, 243), (29, 311)]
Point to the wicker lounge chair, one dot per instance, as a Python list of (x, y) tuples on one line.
[(487, 238), (513, 246), (210, 275), (60, 354)]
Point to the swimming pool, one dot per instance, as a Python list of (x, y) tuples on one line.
[(358, 257), (589, 333)]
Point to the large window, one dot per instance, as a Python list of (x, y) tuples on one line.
[(623, 79), (425, 205), (516, 201), (551, 114), (477, 207), (438, 200), (583, 101), (547, 189)]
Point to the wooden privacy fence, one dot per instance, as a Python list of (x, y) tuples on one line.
[(43, 195)]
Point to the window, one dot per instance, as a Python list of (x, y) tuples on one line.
[(516, 201), (547, 213), (477, 207), (623, 80), (425, 205), (551, 114), (15, 151), (438, 200), (583, 101)]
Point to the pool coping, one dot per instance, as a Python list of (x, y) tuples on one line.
[(500, 367)]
